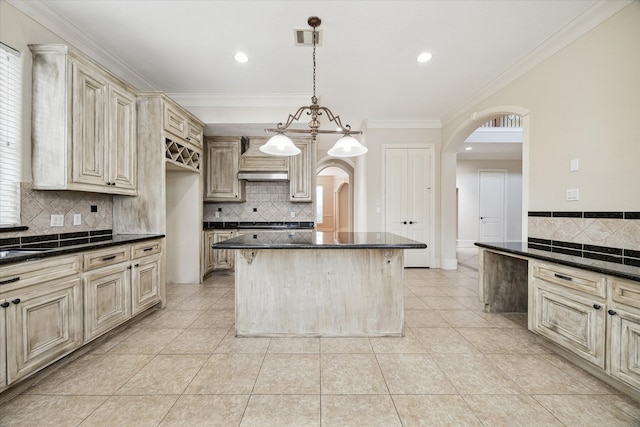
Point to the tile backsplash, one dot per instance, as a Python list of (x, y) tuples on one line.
[(265, 201), (39, 205), (610, 229)]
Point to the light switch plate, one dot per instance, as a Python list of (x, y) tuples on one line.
[(575, 165), (573, 194), (77, 219)]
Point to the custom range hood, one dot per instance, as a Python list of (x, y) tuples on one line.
[(258, 166)]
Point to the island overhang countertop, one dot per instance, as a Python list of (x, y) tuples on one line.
[(306, 239)]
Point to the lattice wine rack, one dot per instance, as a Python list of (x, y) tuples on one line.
[(182, 155)]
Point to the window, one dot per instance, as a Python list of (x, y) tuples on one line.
[(10, 125)]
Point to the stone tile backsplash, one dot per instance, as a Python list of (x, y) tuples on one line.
[(270, 200), (39, 205), (611, 232)]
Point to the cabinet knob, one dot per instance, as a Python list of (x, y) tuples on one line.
[(16, 301), (137, 265), (129, 268), (4, 304), (410, 222), (597, 306), (404, 222), (611, 312)]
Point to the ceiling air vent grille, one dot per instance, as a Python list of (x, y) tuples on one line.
[(305, 37)]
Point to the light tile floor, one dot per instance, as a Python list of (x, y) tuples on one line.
[(455, 366)]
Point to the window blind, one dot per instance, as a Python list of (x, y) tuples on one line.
[(10, 135)]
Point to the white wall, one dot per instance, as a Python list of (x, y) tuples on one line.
[(583, 103), (467, 184)]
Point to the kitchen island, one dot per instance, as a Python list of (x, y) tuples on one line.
[(307, 283)]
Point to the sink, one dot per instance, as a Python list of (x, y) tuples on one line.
[(4, 253)]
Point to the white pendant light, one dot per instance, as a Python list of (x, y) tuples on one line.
[(347, 146), (280, 145)]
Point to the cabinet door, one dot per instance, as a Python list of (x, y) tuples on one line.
[(625, 347), (175, 122), (194, 134), (122, 140), (107, 300), (209, 258), (223, 258), (301, 173), (573, 321), (89, 134), (43, 324), (222, 182), (145, 285)]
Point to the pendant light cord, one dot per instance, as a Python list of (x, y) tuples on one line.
[(314, 65)]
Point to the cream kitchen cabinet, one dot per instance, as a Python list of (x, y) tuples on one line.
[(222, 163), (84, 125), (217, 259), (119, 283), (624, 315), (177, 122), (41, 311), (302, 173)]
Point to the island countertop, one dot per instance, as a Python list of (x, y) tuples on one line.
[(305, 239)]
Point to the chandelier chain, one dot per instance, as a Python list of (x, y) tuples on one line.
[(314, 63)]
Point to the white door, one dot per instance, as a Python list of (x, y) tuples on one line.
[(407, 199), (491, 205)]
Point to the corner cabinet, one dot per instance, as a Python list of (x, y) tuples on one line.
[(301, 173), (221, 176), (84, 125)]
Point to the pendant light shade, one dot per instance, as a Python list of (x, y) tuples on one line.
[(280, 145), (347, 146)]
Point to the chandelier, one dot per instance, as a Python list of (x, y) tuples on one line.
[(281, 145)]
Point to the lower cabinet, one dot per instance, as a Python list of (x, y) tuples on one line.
[(122, 282), (594, 316), (217, 259), (43, 323)]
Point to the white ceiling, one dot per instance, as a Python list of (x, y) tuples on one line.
[(367, 67)]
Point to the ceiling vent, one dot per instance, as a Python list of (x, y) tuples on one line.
[(305, 37)]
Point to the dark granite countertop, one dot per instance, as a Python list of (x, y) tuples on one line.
[(307, 239), (610, 268), (39, 253), (257, 225)]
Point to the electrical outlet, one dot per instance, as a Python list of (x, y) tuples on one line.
[(77, 219), (217, 214), (573, 194), (57, 220), (293, 214)]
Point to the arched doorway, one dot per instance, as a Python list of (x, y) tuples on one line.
[(449, 168), (334, 196)]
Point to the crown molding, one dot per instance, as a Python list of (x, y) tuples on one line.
[(403, 124), (39, 11), (589, 19), (241, 100)]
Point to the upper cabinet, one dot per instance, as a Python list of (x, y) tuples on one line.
[(178, 123), (84, 125), (223, 161), (301, 173)]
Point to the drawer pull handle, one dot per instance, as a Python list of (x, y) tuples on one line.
[(147, 249), (597, 306), (4, 304), (6, 282), (16, 301), (563, 277), (611, 312), (109, 258)]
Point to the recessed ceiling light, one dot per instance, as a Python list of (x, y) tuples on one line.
[(468, 148), (424, 57), (241, 57)]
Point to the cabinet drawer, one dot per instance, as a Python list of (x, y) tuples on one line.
[(174, 122), (579, 280), (625, 292), (38, 271), (142, 249), (105, 257)]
